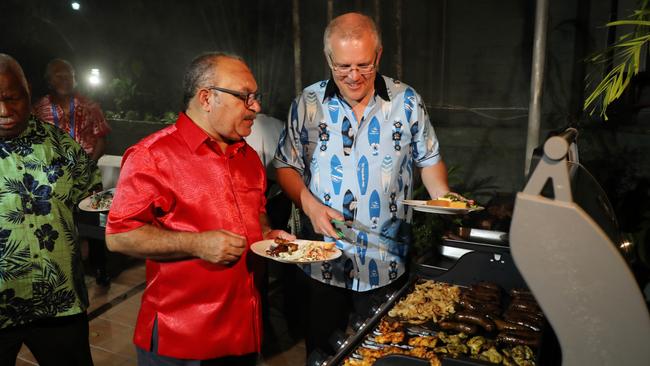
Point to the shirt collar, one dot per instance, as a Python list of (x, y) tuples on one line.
[(380, 88), (194, 136)]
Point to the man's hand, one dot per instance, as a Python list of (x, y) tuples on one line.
[(220, 246), (459, 197), (279, 234), (321, 216)]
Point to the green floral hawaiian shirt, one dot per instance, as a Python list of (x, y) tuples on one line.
[(45, 173)]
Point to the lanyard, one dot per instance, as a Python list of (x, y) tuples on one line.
[(56, 116)]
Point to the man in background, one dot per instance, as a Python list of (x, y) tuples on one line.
[(45, 173), (70, 111), (84, 121)]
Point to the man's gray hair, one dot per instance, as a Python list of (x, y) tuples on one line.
[(341, 27), (9, 64), (202, 71), (50, 66)]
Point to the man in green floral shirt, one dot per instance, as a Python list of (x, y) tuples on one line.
[(44, 174)]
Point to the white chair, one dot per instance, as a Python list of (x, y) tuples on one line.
[(109, 166)]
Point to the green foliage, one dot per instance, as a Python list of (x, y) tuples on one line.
[(624, 56), (169, 117), (123, 90), (126, 95)]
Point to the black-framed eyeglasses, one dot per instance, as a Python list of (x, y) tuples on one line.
[(343, 70), (248, 98)]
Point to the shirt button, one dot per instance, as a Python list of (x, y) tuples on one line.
[(20, 167), (31, 225), (35, 256)]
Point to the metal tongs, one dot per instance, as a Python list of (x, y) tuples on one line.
[(343, 226)]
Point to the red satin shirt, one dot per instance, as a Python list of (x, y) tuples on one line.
[(179, 179)]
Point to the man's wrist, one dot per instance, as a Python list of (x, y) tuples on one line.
[(190, 244), (306, 200)]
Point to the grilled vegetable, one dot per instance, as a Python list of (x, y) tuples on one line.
[(475, 344), (491, 355)]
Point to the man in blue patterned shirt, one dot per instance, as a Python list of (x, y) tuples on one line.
[(348, 153), (44, 174)]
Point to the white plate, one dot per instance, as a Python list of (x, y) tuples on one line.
[(422, 206), (260, 248), (84, 205)]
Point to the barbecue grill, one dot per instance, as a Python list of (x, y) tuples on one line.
[(563, 245)]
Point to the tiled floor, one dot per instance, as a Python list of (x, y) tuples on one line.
[(113, 313)]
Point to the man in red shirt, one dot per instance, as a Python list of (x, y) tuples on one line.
[(190, 199)]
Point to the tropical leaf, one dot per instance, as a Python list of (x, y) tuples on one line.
[(79, 166), (14, 217), (68, 231), (58, 144), (624, 56), (63, 197), (630, 22), (51, 278), (13, 185), (14, 261), (15, 310), (62, 299), (35, 165), (50, 301)]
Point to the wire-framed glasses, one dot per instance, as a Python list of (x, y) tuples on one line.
[(343, 70), (248, 98)]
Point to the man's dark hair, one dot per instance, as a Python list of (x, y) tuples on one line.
[(200, 72)]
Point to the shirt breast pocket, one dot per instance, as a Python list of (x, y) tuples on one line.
[(250, 197)]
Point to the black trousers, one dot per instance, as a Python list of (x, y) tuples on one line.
[(52, 341), (97, 252), (329, 308)]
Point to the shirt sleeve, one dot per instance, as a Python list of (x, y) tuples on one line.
[(99, 124), (289, 151), (426, 150), (140, 197)]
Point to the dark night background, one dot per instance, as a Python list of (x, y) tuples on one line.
[(470, 60), (457, 54)]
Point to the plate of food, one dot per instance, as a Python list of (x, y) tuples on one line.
[(296, 251), (98, 202), (449, 204)]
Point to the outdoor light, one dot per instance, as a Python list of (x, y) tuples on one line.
[(94, 79), (75, 5)]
